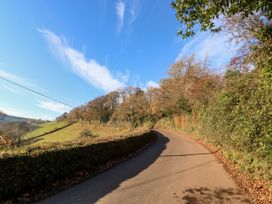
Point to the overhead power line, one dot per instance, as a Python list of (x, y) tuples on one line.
[(36, 92)]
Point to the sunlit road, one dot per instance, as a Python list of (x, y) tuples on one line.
[(173, 170)]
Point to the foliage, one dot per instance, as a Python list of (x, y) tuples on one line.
[(124, 105), (204, 12), (165, 123), (237, 114), (134, 109), (62, 117), (11, 132), (101, 108), (189, 87), (87, 133), (37, 167)]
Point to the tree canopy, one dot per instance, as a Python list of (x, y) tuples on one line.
[(204, 12)]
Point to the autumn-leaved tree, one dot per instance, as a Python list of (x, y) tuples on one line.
[(135, 109), (189, 87)]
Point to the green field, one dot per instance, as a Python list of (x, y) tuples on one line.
[(44, 128), (70, 133)]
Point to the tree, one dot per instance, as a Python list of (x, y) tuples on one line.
[(204, 12), (135, 109), (95, 110), (62, 117), (124, 93), (170, 98), (189, 86), (102, 108)]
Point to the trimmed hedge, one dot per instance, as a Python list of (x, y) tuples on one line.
[(23, 172)]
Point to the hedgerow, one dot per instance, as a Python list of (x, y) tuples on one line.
[(35, 167)]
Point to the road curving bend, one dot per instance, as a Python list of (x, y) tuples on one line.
[(175, 169)]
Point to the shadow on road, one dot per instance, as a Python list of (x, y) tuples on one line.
[(166, 176), (185, 155), (97, 187), (205, 195)]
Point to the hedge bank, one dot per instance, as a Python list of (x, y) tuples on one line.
[(42, 166)]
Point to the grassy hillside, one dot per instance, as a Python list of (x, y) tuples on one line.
[(70, 133), (44, 128)]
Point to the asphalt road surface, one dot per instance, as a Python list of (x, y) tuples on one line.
[(173, 170)]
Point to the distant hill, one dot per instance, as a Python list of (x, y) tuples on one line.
[(10, 118), (4, 118)]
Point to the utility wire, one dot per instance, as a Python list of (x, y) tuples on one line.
[(36, 92)]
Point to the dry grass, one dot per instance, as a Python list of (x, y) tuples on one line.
[(74, 131)]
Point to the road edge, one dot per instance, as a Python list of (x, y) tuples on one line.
[(252, 188)]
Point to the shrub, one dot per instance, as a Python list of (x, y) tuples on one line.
[(87, 133), (149, 124)]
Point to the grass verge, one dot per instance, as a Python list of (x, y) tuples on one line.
[(259, 190)]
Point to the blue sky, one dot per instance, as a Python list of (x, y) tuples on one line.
[(76, 50)]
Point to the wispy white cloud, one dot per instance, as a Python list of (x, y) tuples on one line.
[(214, 46), (20, 110), (123, 76), (134, 11), (127, 13), (137, 82), (11, 89), (22, 80), (152, 84), (53, 106), (94, 73), (120, 12), (102, 11)]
